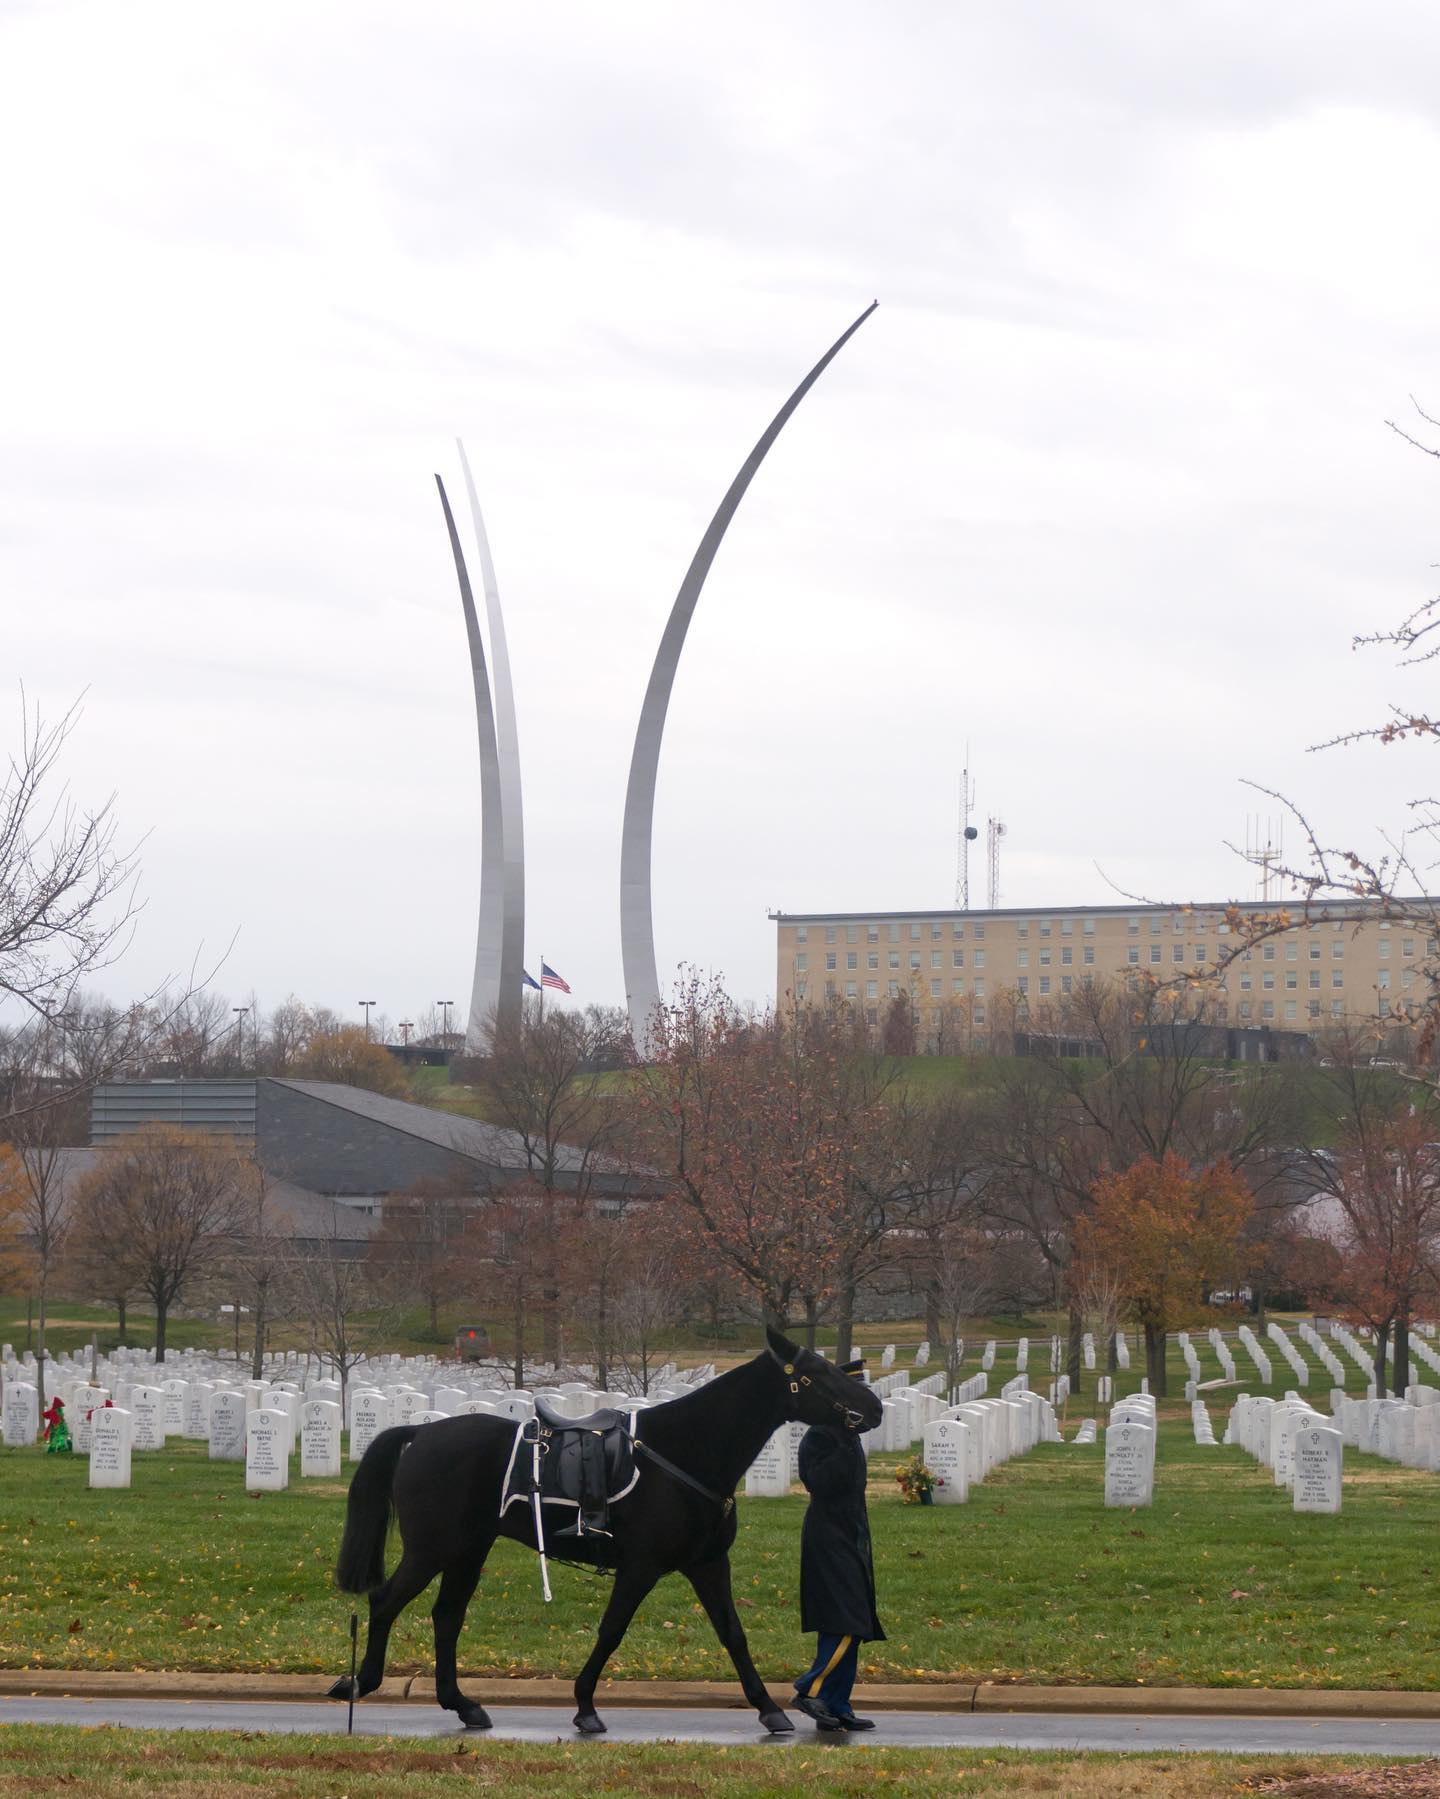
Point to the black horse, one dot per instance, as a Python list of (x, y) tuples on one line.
[(445, 1492)]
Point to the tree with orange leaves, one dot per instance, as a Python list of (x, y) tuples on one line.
[(1168, 1233), (16, 1261)]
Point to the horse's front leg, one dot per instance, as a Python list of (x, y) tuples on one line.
[(633, 1580), (711, 1581)]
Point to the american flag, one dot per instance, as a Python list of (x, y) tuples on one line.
[(549, 978)]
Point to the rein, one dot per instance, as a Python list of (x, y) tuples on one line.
[(853, 1419)]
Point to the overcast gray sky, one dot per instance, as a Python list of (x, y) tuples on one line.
[(1104, 486)]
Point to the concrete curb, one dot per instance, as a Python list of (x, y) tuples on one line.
[(966, 1696)]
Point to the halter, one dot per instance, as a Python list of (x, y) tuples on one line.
[(852, 1419)]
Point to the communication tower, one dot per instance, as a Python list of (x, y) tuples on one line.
[(1265, 850), (994, 831), (968, 834)]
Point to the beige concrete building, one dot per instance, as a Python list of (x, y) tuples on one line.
[(970, 976)]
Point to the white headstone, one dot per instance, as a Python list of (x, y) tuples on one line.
[(21, 1414), (197, 1410), (225, 1426), (947, 1449), (172, 1407), (110, 1448), (267, 1451), (319, 1439), (147, 1418), (1129, 1464), (768, 1476), (1319, 1459)]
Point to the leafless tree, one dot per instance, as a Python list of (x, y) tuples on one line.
[(166, 1206), (412, 1256), (332, 1291)]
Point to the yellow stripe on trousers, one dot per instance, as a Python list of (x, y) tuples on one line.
[(828, 1669)]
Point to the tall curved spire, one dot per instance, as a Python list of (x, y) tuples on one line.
[(488, 997), (637, 930), (507, 737)]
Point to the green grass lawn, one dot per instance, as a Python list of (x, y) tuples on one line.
[(1219, 1583), (110, 1764)]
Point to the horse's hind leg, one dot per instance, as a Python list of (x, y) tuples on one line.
[(632, 1583), (412, 1576), (711, 1581), (457, 1587)]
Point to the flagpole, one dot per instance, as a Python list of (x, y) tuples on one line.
[(542, 987)]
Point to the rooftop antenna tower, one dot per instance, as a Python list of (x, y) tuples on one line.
[(994, 831), (968, 834), (1265, 850)]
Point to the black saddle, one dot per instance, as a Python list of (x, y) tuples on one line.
[(605, 1419), (585, 1465)]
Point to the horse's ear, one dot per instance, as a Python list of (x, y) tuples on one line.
[(782, 1346)]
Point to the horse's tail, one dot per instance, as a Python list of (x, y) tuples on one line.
[(360, 1565)]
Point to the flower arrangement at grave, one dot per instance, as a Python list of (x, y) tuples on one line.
[(57, 1431), (916, 1482)]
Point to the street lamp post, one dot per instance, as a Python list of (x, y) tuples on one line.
[(445, 1005), (366, 1004), (405, 1027), (240, 1012)]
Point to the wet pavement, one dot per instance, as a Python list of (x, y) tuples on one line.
[(636, 1724)]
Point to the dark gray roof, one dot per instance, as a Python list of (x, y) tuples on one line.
[(487, 1144)]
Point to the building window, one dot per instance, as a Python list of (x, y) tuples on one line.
[(800, 991), (1089, 927), (1382, 980), (852, 933), (1267, 1010), (1044, 927), (1067, 955), (1245, 977), (1089, 953), (978, 959), (872, 933), (1384, 948), (1292, 950), (957, 958), (1132, 927), (1289, 1008), (979, 989), (935, 987), (1155, 923), (1045, 957), (872, 989), (1023, 985), (1337, 1008), (957, 929), (829, 989), (1292, 980), (1314, 1008), (1022, 929), (1337, 979), (934, 932), (1314, 977), (1314, 952), (935, 961), (1200, 952), (893, 989), (914, 958), (1269, 952), (893, 958), (1337, 950), (893, 932), (1177, 952), (1269, 981), (1384, 1008), (1044, 983), (914, 933), (957, 986), (1067, 983), (979, 933), (829, 958), (872, 1015), (1154, 952), (1407, 977), (1087, 980), (851, 990), (802, 933), (873, 959), (1244, 1008), (852, 958), (1022, 958), (1067, 927), (1407, 946), (1132, 953), (802, 961), (829, 933), (979, 1014)]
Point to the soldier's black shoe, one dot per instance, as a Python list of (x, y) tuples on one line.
[(848, 1721), (817, 1709)]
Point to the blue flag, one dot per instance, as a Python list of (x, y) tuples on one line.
[(530, 980)]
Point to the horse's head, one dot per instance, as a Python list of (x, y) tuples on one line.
[(818, 1392)]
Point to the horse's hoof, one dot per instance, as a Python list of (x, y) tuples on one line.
[(776, 1723), (589, 1725), (474, 1717), (342, 1689)]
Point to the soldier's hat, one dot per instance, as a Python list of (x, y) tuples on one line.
[(855, 1369)]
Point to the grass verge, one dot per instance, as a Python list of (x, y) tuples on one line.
[(89, 1763)]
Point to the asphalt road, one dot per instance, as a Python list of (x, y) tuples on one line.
[(633, 1724)]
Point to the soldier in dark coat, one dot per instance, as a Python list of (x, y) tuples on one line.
[(837, 1572)]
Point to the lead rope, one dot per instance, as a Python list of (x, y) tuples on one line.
[(539, 1514)]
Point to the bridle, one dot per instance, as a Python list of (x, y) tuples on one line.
[(852, 1419)]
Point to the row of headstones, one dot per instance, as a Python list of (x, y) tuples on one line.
[(1200, 1423), (264, 1439), (1321, 1350), (922, 1354), (1302, 1448), (1299, 1367), (1406, 1430)]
